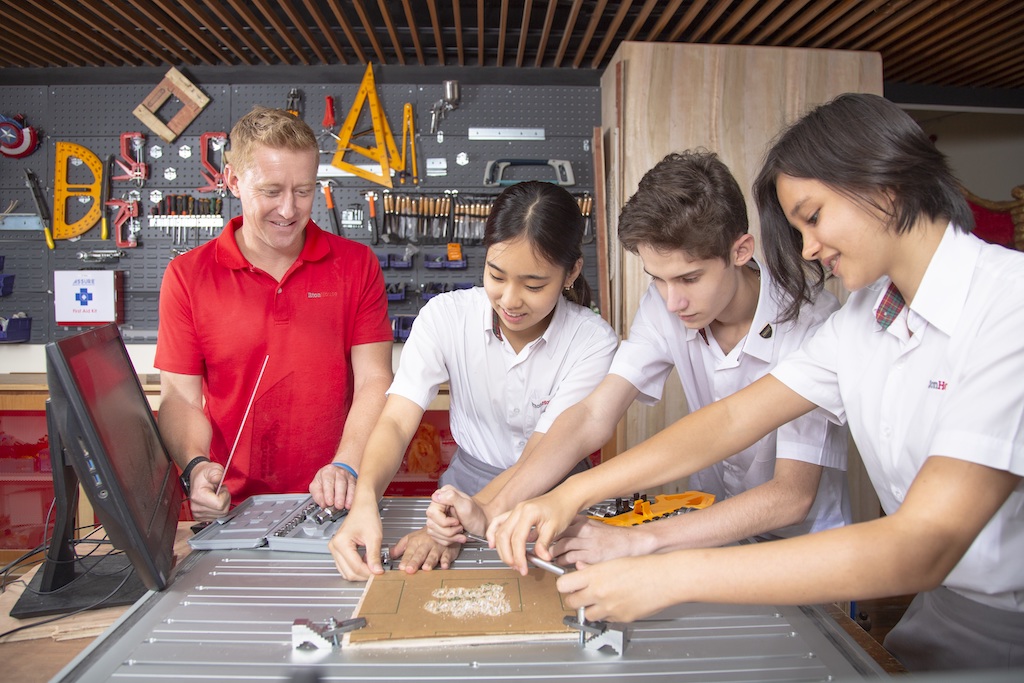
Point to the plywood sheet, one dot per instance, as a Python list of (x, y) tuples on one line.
[(394, 605)]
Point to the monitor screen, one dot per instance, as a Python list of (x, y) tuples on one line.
[(103, 434)]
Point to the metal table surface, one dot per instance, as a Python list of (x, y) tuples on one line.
[(228, 615)]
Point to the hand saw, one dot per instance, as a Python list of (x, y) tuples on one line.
[(63, 190)]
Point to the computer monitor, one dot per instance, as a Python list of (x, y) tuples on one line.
[(103, 434)]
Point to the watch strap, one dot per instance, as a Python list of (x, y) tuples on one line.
[(186, 474)]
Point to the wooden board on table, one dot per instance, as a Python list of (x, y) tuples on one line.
[(394, 605)]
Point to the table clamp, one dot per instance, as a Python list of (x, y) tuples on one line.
[(595, 635), (310, 635)]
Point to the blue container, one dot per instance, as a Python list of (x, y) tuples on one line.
[(18, 330)]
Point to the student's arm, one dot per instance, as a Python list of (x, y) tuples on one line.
[(371, 377), (384, 450), (577, 432), (187, 434), (696, 441), (910, 551), (784, 500)]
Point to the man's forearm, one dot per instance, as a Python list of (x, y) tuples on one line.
[(185, 430), (367, 404)]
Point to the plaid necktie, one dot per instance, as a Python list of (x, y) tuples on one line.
[(890, 307)]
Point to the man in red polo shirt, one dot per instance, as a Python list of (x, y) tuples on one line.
[(273, 288)]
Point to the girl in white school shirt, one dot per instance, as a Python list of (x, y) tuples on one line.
[(515, 353), (925, 362)]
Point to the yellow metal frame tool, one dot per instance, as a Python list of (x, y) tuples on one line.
[(408, 140), (63, 191), (385, 153)]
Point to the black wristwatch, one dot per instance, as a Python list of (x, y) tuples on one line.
[(186, 474)]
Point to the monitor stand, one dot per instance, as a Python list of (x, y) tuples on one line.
[(66, 583)]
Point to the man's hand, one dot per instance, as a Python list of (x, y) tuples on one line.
[(362, 527), (450, 513), (590, 541), (333, 486), (540, 519), (613, 591), (208, 505), (419, 551)]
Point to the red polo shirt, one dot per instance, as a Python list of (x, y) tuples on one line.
[(220, 317)]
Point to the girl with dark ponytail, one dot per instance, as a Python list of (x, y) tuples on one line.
[(514, 353)]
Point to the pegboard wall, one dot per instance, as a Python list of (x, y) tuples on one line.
[(412, 252)]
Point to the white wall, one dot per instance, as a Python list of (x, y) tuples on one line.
[(986, 149)]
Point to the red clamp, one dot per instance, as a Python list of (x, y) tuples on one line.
[(213, 175), (133, 151), (128, 212)]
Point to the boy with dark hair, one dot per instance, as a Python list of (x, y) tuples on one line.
[(714, 315)]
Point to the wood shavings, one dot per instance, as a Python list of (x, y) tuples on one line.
[(488, 600)]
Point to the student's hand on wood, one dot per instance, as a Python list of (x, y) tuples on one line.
[(539, 519), (450, 513), (626, 589), (333, 486), (208, 505), (590, 541), (362, 527), (419, 551)]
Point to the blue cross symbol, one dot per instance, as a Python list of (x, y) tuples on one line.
[(83, 297)]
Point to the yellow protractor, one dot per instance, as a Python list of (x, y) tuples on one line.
[(64, 190)]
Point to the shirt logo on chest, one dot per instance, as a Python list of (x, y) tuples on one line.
[(937, 384)]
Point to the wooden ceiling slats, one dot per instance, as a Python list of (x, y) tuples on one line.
[(502, 30), (926, 42), (347, 29), (389, 25), (182, 45), (570, 23), (459, 47), (279, 28), (524, 33), (241, 7), (785, 33), (127, 30), (326, 29), (480, 44), (44, 43), (688, 16), (371, 33), (301, 24), (67, 25), (958, 36), (545, 34), (588, 34), (754, 22), (836, 21), (784, 15), (193, 30), (711, 19), (663, 19), (414, 33), (610, 33), (733, 19), (222, 37), (435, 22)]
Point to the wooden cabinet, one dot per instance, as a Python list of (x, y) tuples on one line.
[(658, 98)]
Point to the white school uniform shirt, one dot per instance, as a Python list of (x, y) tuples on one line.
[(500, 398), (658, 341), (946, 378)]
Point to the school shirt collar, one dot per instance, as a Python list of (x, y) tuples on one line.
[(942, 294), (314, 248), (760, 338), (492, 327)]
